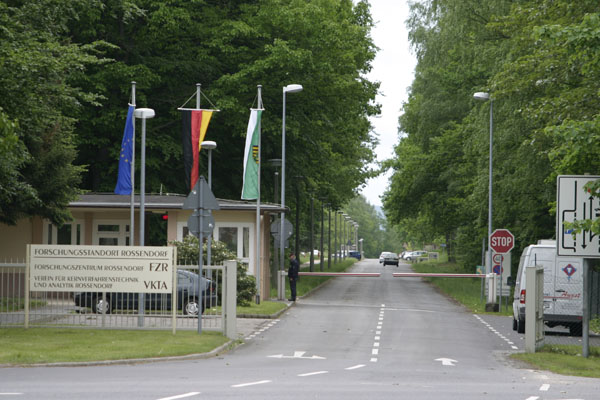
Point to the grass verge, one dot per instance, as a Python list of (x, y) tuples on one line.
[(466, 291), (265, 308), (49, 345), (564, 359)]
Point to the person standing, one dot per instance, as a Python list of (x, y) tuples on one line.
[(293, 275)]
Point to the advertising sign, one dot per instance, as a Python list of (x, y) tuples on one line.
[(136, 269)]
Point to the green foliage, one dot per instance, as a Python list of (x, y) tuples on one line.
[(167, 47), (538, 59), (39, 102), (188, 254)]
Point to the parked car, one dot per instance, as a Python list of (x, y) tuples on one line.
[(382, 256), (355, 254), (563, 287), (187, 297), (413, 255), (390, 259)]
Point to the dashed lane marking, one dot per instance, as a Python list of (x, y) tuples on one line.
[(250, 384), (261, 330), (355, 367), (181, 396), (314, 373)]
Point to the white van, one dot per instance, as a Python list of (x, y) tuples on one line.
[(563, 287)]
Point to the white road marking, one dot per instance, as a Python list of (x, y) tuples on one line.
[(355, 367), (377, 338), (250, 384), (181, 396), (447, 361), (378, 332), (375, 352), (314, 373), (374, 359), (544, 387), (532, 398), (298, 354)]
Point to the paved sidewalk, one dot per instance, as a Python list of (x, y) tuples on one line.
[(247, 326)]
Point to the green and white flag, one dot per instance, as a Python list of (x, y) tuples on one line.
[(250, 189)]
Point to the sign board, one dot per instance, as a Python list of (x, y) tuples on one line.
[(575, 204), (502, 241), (208, 223), (134, 269), (501, 266), (201, 197), (288, 228)]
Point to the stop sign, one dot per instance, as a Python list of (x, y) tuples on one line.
[(502, 241)]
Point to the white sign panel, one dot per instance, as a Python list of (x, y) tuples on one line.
[(136, 269), (574, 204)]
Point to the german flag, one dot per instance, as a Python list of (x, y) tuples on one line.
[(194, 125)]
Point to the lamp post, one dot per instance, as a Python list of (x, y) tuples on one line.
[(286, 89), (345, 219), (484, 96), (297, 246), (322, 256), (143, 114), (329, 236), (310, 241), (276, 163), (337, 214), (356, 235), (210, 146)]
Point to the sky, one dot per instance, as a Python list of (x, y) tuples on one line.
[(394, 67)]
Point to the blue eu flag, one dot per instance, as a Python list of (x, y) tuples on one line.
[(126, 156)]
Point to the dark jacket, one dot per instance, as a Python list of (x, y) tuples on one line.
[(294, 268)]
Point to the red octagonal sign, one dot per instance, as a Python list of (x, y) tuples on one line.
[(502, 241)]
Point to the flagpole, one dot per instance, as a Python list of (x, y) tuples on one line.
[(132, 206), (209, 236), (258, 264)]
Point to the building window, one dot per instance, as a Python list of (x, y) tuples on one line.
[(229, 236), (68, 234), (111, 233)]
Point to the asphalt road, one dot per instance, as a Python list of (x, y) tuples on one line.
[(355, 338)]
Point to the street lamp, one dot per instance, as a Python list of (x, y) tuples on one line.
[(329, 236), (275, 163), (143, 114), (484, 96), (335, 236), (312, 226), (286, 89), (322, 258), (210, 146), (297, 246)]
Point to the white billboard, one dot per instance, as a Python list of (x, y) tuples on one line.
[(136, 269)]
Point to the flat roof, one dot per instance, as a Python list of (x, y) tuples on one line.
[(164, 202)]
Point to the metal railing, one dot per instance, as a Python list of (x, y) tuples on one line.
[(59, 309)]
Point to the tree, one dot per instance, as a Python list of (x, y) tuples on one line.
[(38, 106), (167, 47)]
